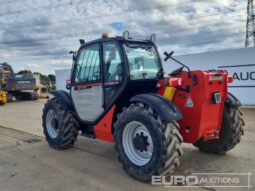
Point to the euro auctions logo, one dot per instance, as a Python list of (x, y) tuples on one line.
[(206, 180)]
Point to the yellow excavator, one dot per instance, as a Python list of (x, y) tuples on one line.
[(21, 85), (3, 98)]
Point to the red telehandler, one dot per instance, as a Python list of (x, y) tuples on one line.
[(118, 93)]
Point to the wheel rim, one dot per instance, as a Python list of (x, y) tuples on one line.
[(137, 143), (52, 124)]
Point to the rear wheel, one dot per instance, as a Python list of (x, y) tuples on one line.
[(145, 144), (230, 133), (60, 126)]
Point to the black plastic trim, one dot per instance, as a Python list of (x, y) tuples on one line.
[(232, 101), (166, 109)]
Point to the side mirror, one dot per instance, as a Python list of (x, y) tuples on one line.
[(74, 54), (171, 53), (168, 55), (68, 84)]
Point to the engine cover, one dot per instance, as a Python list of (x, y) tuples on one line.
[(202, 107)]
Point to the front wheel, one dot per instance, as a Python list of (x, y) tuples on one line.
[(230, 133), (60, 126), (146, 146)]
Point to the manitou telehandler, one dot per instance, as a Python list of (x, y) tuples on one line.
[(118, 93)]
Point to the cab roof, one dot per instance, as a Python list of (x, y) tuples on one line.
[(118, 39)]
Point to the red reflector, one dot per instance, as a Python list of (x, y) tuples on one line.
[(230, 79), (175, 82), (68, 82)]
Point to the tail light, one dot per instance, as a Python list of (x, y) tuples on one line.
[(175, 82), (68, 84), (230, 79)]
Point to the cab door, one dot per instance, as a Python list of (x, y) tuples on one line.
[(87, 91), (113, 72)]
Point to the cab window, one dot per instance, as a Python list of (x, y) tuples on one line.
[(88, 65), (143, 61)]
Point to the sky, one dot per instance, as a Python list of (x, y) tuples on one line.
[(38, 34)]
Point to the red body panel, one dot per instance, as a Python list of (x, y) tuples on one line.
[(204, 118), (103, 129)]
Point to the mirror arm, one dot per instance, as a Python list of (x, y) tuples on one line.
[(169, 56)]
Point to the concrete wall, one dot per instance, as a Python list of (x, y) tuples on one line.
[(238, 62)]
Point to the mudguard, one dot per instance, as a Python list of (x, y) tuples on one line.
[(166, 109), (232, 101), (64, 99)]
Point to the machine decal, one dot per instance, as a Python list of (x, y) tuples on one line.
[(189, 102)]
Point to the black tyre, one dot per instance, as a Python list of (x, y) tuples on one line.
[(9, 97), (145, 144), (230, 133), (60, 126), (34, 96), (18, 97), (22, 96)]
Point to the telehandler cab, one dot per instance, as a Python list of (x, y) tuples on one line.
[(118, 93)]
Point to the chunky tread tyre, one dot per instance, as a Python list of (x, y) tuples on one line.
[(230, 133), (67, 124), (166, 139), (34, 96)]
